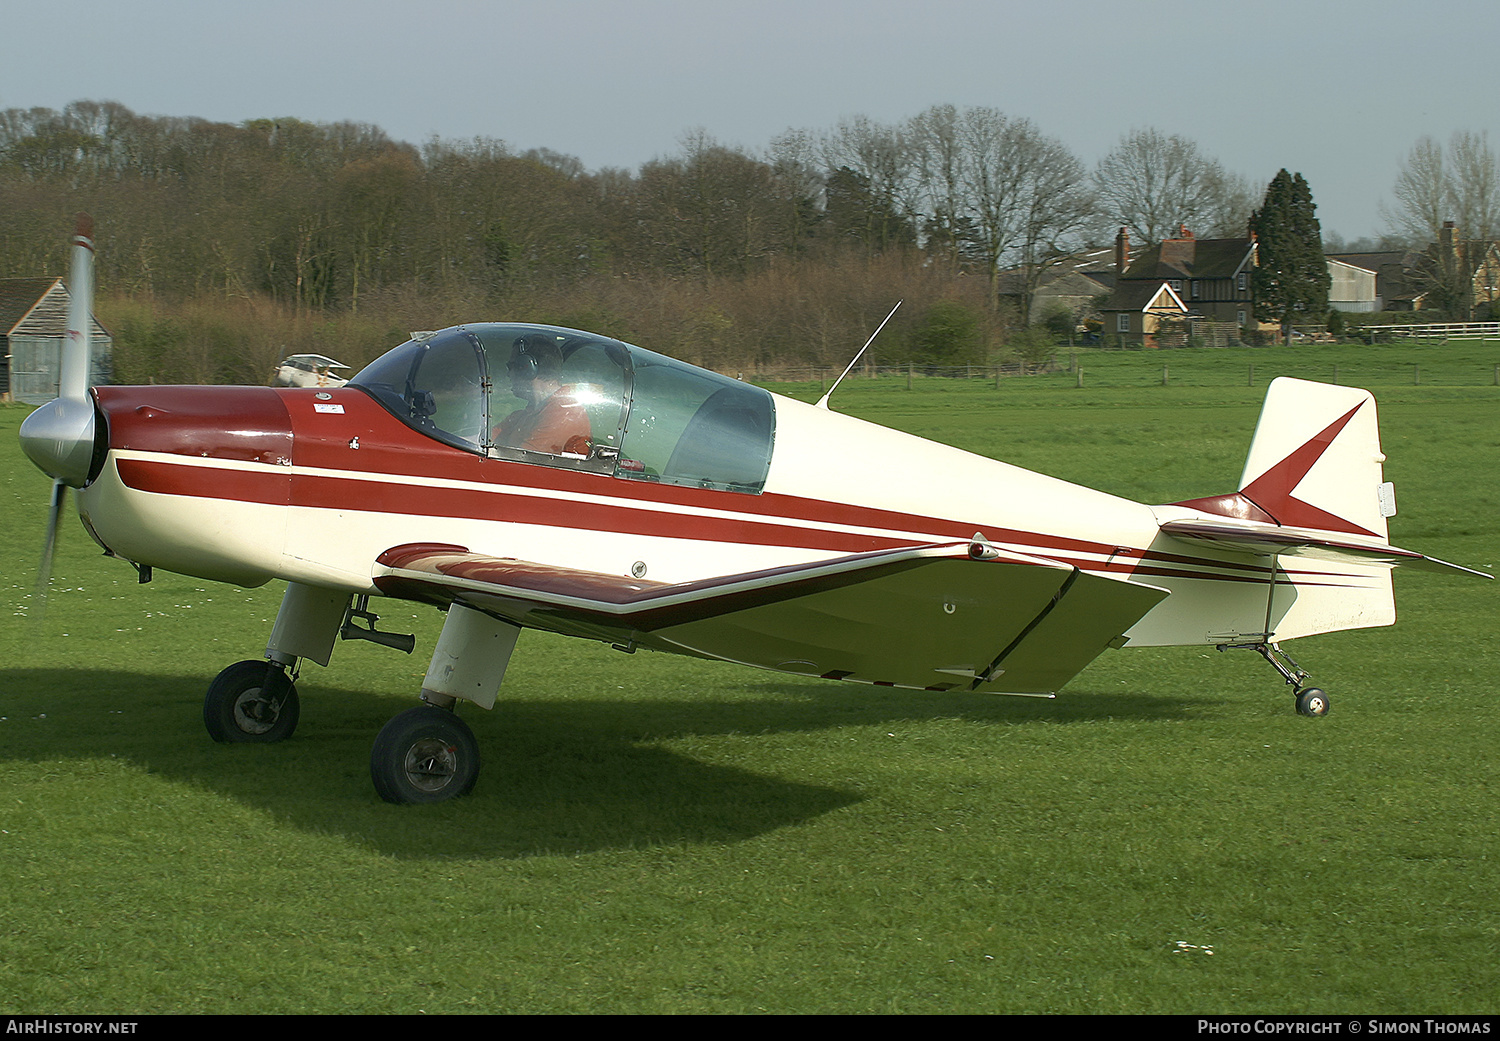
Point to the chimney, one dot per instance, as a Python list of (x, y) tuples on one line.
[(1448, 238), (1122, 251)]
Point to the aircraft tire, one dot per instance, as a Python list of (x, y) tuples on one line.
[(1312, 702), (424, 755), (251, 701)]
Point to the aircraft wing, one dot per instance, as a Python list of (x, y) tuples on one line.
[(1274, 539), (939, 617)]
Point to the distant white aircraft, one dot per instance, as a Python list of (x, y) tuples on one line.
[(308, 370)]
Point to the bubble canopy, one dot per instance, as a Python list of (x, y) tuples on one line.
[(560, 397)]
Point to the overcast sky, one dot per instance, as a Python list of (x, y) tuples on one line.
[(1338, 91)]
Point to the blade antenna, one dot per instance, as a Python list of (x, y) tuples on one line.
[(823, 401)]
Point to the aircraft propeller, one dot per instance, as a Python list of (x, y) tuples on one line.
[(59, 436)]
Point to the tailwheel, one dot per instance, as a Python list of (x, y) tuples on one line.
[(1312, 702), (426, 754), (251, 701)]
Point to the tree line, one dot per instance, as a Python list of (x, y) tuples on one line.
[(329, 233)]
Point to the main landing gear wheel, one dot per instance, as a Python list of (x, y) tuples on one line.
[(251, 701), (426, 754), (1312, 702)]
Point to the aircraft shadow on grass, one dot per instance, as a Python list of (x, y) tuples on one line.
[(567, 775)]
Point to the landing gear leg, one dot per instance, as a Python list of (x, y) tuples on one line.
[(427, 754), (1311, 701)]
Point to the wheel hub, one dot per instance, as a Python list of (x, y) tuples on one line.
[(431, 764), (254, 712)]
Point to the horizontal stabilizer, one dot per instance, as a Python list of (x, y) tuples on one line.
[(1276, 540)]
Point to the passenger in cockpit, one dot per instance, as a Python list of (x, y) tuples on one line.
[(552, 420)]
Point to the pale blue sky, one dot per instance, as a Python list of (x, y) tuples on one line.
[(1338, 91)]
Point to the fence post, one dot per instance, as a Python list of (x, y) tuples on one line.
[(1078, 380), (1250, 380), (1163, 375)]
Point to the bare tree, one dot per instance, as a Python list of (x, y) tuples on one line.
[(876, 159), (1434, 184), (713, 210), (1473, 185), (794, 159), (1421, 194), (1155, 183), (936, 141), (1025, 192), (1234, 200), (1059, 210)]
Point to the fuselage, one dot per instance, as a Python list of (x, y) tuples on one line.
[(249, 485), (252, 484)]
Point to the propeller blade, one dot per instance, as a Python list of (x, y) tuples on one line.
[(73, 375), (49, 545)]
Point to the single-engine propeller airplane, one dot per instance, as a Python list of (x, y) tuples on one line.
[(646, 503)]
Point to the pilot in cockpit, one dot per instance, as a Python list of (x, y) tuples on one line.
[(552, 420)]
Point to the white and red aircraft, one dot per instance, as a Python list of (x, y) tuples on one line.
[(646, 503)]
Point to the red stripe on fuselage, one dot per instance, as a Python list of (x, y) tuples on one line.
[(270, 485), (630, 515)]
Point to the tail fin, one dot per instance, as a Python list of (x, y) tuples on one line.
[(1314, 463), (1313, 501), (1315, 460), (1312, 486)]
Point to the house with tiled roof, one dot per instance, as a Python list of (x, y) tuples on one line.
[(1146, 312), (33, 324), (1209, 278)]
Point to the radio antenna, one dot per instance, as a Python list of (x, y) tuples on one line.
[(823, 401)]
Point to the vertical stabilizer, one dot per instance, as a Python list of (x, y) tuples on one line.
[(1312, 504), (1315, 460)]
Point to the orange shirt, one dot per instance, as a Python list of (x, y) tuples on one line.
[(560, 424)]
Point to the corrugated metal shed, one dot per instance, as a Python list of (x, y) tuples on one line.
[(1351, 287), (33, 323)]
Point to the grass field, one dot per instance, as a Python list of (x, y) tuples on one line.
[(663, 835)]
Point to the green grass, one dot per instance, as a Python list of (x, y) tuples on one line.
[(654, 834)]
